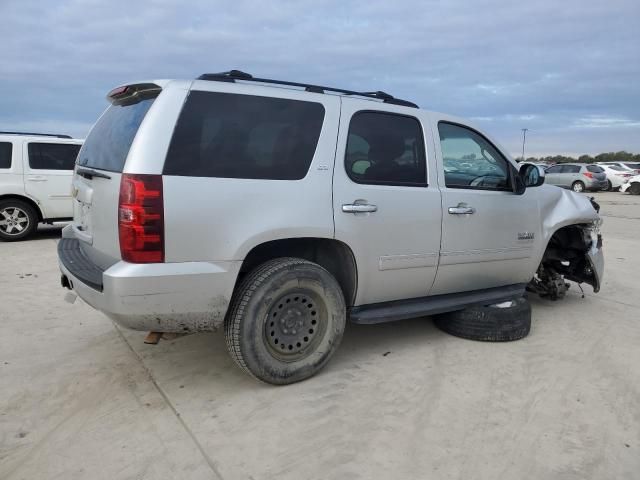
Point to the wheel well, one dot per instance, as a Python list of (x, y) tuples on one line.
[(331, 254), (566, 253), (25, 200)]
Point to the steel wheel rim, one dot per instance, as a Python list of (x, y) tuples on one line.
[(13, 221), (295, 325)]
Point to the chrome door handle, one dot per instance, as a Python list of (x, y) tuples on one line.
[(359, 208), (37, 178), (462, 209)]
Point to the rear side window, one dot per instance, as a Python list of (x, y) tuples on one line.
[(52, 156), (5, 154), (570, 169), (108, 144), (385, 149), (244, 136), (595, 169)]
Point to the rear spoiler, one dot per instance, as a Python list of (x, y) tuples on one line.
[(130, 94)]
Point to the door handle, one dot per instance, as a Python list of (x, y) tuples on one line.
[(37, 178), (462, 209), (359, 208)]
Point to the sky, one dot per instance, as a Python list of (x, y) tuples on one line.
[(568, 70)]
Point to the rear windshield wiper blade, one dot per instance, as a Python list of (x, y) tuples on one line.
[(89, 173)]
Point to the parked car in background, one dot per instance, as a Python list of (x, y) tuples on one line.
[(577, 176), (616, 176), (632, 167), (35, 181), (631, 185)]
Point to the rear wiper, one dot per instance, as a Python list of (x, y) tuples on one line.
[(89, 173)]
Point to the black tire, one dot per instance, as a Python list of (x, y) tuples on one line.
[(18, 220), (286, 321), (609, 186), (577, 186), (634, 189), (490, 323)]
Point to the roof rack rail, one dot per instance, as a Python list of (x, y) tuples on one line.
[(31, 134), (233, 75)]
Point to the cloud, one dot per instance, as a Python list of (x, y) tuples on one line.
[(544, 65)]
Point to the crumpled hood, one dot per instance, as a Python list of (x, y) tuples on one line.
[(560, 207)]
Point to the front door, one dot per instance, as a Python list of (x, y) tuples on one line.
[(386, 202), (488, 232), (48, 171)]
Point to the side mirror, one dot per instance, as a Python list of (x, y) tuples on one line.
[(532, 175)]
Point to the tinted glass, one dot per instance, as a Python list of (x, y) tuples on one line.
[(554, 169), (470, 161), (244, 136), (571, 169), (52, 156), (595, 169), (385, 149), (635, 166), (5, 154), (617, 168), (107, 146)]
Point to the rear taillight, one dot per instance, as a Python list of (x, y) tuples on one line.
[(588, 174), (141, 219)]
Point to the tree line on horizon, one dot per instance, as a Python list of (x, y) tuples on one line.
[(621, 156)]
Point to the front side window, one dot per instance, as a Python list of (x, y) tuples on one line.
[(470, 160), (555, 169), (244, 136), (52, 156), (5, 154), (385, 149)]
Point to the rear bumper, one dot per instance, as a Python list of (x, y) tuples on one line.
[(596, 185), (164, 297)]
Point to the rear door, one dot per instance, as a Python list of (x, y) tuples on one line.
[(386, 200), (553, 175), (488, 231), (48, 169)]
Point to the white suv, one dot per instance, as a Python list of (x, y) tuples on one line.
[(35, 181), (280, 210)]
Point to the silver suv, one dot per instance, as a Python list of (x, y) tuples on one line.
[(282, 210), (578, 177)]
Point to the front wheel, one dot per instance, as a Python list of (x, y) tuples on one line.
[(577, 187), (17, 220), (609, 186), (286, 321), (634, 189)]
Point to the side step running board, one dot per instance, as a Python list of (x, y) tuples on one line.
[(423, 306)]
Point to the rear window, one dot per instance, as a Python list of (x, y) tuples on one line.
[(595, 169), (244, 136), (107, 146), (633, 165), (52, 156), (5, 154)]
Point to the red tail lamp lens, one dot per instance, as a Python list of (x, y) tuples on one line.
[(141, 219)]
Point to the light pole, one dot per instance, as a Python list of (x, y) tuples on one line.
[(524, 138)]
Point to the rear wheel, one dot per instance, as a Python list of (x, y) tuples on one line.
[(495, 323), (286, 321), (18, 220), (634, 189), (577, 186)]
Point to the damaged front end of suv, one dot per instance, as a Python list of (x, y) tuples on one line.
[(574, 250)]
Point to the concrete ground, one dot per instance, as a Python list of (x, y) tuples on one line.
[(80, 399)]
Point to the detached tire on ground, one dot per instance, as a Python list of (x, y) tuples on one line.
[(490, 323), (286, 321)]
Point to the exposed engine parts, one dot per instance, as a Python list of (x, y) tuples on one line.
[(565, 258)]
